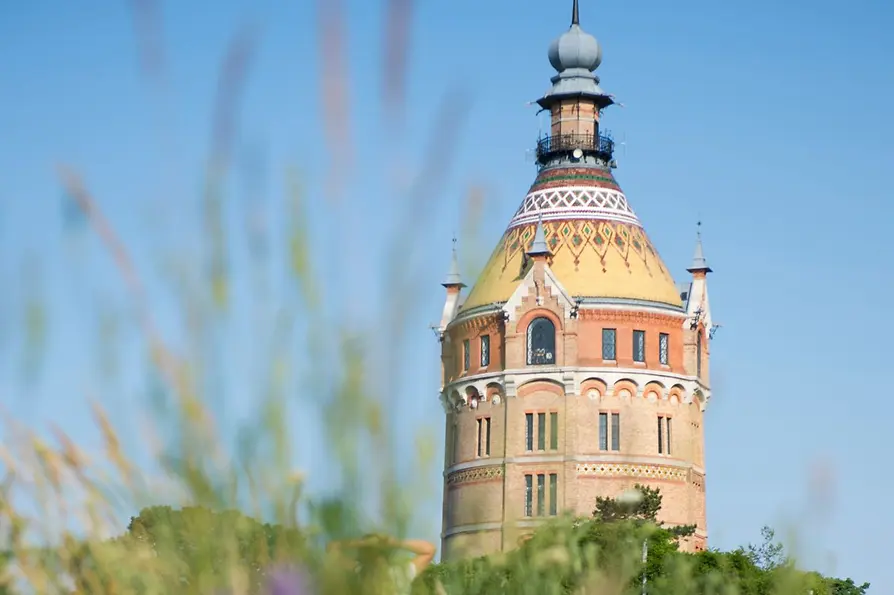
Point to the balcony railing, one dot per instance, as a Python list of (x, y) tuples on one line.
[(549, 146)]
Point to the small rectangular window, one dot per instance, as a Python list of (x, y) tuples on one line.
[(487, 436), (698, 356), (554, 431), (541, 431), (553, 494), (478, 431), (529, 493), (451, 442), (616, 431), (484, 436), (467, 355), (660, 435), (663, 340), (668, 423), (608, 344), (529, 431), (485, 351), (541, 494), (639, 346), (603, 431)]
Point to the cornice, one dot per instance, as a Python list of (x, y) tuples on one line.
[(477, 324), (585, 304), (591, 459), (638, 315)]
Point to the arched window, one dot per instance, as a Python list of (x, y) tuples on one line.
[(541, 342)]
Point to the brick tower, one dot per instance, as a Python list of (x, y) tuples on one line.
[(574, 367)]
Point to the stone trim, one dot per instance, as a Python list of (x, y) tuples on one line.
[(455, 394), (665, 472), (474, 474), (585, 459), (473, 528), (488, 462), (584, 303)]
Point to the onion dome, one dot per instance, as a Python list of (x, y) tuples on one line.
[(575, 48), (575, 55)]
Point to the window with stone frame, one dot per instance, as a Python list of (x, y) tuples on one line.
[(529, 495), (529, 432), (483, 434), (609, 431), (553, 494), (554, 430), (608, 344), (665, 425), (485, 351), (541, 435), (467, 355), (541, 342), (663, 348), (639, 346), (544, 498)]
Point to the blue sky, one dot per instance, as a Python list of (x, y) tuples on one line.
[(770, 121)]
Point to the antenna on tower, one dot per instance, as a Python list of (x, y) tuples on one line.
[(623, 143)]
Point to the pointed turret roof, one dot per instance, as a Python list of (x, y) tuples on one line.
[(453, 278), (699, 262), (539, 246)]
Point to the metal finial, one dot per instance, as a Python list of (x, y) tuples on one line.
[(575, 14)]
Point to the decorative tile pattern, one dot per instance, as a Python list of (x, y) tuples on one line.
[(575, 202), (629, 241), (628, 470), (476, 474)]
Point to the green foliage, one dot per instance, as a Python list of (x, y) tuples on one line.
[(643, 509), (769, 554), (838, 586), (603, 554), (193, 550)]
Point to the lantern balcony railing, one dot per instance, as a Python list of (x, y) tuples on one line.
[(602, 146)]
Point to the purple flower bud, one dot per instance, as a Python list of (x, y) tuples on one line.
[(287, 580)]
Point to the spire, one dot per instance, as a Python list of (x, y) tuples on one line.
[(539, 247), (575, 14), (699, 263), (453, 278)]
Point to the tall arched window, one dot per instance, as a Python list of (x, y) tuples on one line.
[(541, 342)]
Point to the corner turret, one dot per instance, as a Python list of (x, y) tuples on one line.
[(699, 322), (454, 285)]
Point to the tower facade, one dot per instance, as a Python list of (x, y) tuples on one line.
[(575, 366)]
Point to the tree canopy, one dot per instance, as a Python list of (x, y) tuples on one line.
[(603, 553), (196, 550)]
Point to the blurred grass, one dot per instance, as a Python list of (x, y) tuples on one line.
[(90, 494), (60, 506)]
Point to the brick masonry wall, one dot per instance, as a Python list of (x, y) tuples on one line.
[(474, 503)]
